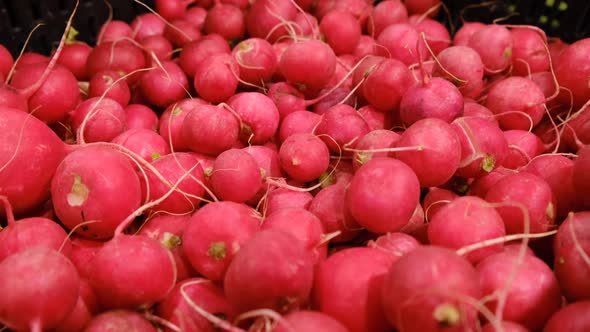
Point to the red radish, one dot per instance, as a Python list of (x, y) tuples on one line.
[(462, 66), (358, 8), (304, 157), (378, 120), (98, 120), (172, 121), (145, 142), (395, 244), (172, 9), (284, 198), (472, 108), (436, 160), (210, 129), (480, 186), (347, 287), (86, 307), (83, 250), (423, 6), (123, 57), (417, 225), (341, 127), (266, 19), (305, 72), (530, 192), (7, 61), (169, 231), (521, 97), (557, 171), (267, 158), (298, 122), (146, 25), (164, 85), (119, 320), (280, 255), (304, 225), (384, 14), (526, 302), (236, 176), (473, 218), (183, 32), (425, 289), (575, 134), (10, 98), (341, 30), (436, 34), (226, 20), (571, 248), (48, 103), (311, 321), (306, 25), (366, 64), (156, 46), (196, 51), (39, 288), (435, 200), (73, 57), (140, 117), (215, 234), (26, 170), (506, 327), (179, 306), (494, 45), (376, 139), (435, 98), (399, 41), (257, 60), (366, 46), (216, 78), (330, 206), (544, 79), (483, 146), (522, 147), (114, 30), (338, 95), (573, 317), (29, 58), (573, 69), (528, 53), (258, 115), (82, 192), (386, 83), (132, 271), (465, 32), (103, 83), (372, 189), (286, 98)]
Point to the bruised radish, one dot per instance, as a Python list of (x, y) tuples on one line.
[(522, 97), (236, 176), (304, 157), (258, 115), (39, 288), (145, 142), (98, 120), (280, 255), (573, 317), (215, 234), (210, 129), (311, 321), (424, 290), (82, 192), (119, 320), (347, 286), (375, 186)]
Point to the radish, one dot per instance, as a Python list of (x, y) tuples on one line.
[(402, 41), (305, 25), (258, 115), (329, 205), (435, 161), (507, 326), (39, 288), (179, 307), (379, 120), (494, 45), (376, 139), (164, 85), (216, 78), (519, 191), (196, 51), (81, 192), (215, 234), (341, 127), (172, 122), (366, 46), (266, 19), (26, 171), (571, 247), (98, 120), (304, 225), (483, 146), (474, 219), (146, 25), (281, 255), (386, 83), (522, 97), (114, 30), (156, 47), (73, 56), (435, 200), (359, 8), (267, 158), (172, 9), (462, 66), (384, 14), (284, 198), (573, 317), (435, 33), (226, 20), (307, 320), (286, 98), (298, 122), (103, 83), (573, 69), (375, 186), (181, 32), (7, 61), (86, 307), (395, 244), (172, 167), (210, 129), (347, 287), (528, 53), (581, 176), (121, 56), (335, 96), (575, 134), (308, 74), (119, 320), (472, 108), (132, 271), (140, 117), (257, 60), (434, 98), (423, 7), (304, 157), (524, 302), (82, 252), (341, 31), (425, 290), (465, 32), (523, 146), (236, 176), (480, 186), (144, 142)]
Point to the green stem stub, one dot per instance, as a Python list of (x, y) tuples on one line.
[(171, 241), (488, 163), (447, 315), (217, 250), (79, 192)]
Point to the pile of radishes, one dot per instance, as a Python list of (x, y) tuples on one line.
[(296, 166)]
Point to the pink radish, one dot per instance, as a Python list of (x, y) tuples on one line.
[(436, 34), (73, 57), (145, 142), (148, 24), (573, 317), (376, 139), (435, 200), (226, 20), (385, 85), (480, 186), (195, 52), (573, 69), (216, 78), (523, 146), (434, 98), (258, 115), (423, 7), (507, 326), (384, 14), (400, 41), (172, 121), (86, 307), (98, 120), (121, 56), (119, 319), (257, 60), (395, 244), (114, 30), (304, 157), (287, 98), (311, 321), (378, 120), (266, 19), (298, 122), (215, 234), (468, 29), (462, 66), (284, 198), (82, 252), (304, 72), (528, 53), (330, 206), (103, 83), (494, 44), (164, 85), (210, 129), (140, 117), (172, 9), (341, 30), (236, 176), (183, 32), (341, 127)]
